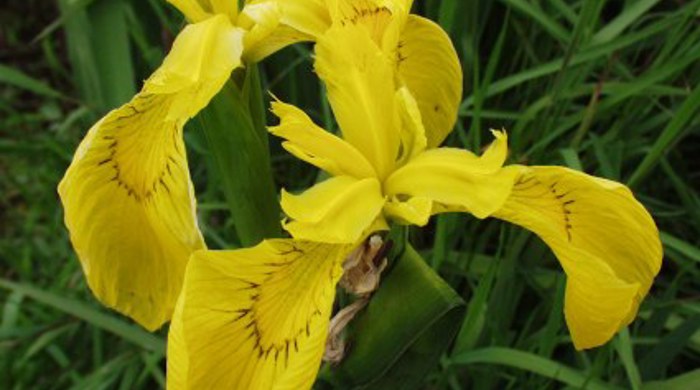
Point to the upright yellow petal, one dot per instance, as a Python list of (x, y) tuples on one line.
[(192, 9), (178, 360), (427, 63), (316, 146), (455, 180), (605, 240), (309, 17), (129, 208), (226, 7), (265, 34), (128, 200), (338, 210), (373, 15), (413, 140), (270, 40), (257, 318), (199, 10), (360, 87)]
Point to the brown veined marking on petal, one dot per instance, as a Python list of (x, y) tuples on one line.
[(149, 107), (400, 55), (373, 17), (528, 182), (249, 316)]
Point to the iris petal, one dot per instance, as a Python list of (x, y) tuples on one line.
[(257, 318), (128, 199), (338, 210), (455, 179), (426, 62), (316, 146), (129, 207), (605, 240), (309, 17), (359, 79)]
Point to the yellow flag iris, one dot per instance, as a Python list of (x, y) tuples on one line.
[(257, 318), (128, 199)]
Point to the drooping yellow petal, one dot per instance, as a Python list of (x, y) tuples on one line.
[(605, 240), (178, 360), (338, 210), (455, 179), (128, 200), (257, 318), (316, 146), (199, 63), (427, 63), (360, 87), (129, 207)]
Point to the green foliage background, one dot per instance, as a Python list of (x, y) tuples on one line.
[(608, 87)]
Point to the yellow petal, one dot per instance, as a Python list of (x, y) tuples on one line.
[(257, 318), (316, 146), (226, 7), (338, 210), (127, 195), (414, 211), (373, 15), (455, 179), (496, 153), (199, 10), (270, 41), (199, 63), (427, 63), (309, 17), (265, 33), (605, 240), (360, 87), (413, 141), (597, 303), (129, 206), (192, 9), (178, 361)]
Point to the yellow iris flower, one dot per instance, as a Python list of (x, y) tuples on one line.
[(385, 169), (258, 318), (128, 199)]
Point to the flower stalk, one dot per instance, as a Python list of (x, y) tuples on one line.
[(237, 140)]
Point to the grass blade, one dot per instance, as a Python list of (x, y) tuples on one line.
[(18, 79), (532, 363), (671, 134), (129, 332)]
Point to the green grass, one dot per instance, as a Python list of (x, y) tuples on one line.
[(612, 88)]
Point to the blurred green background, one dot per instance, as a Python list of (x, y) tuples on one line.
[(608, 87)]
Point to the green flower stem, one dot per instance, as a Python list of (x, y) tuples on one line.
[(234, 127)]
